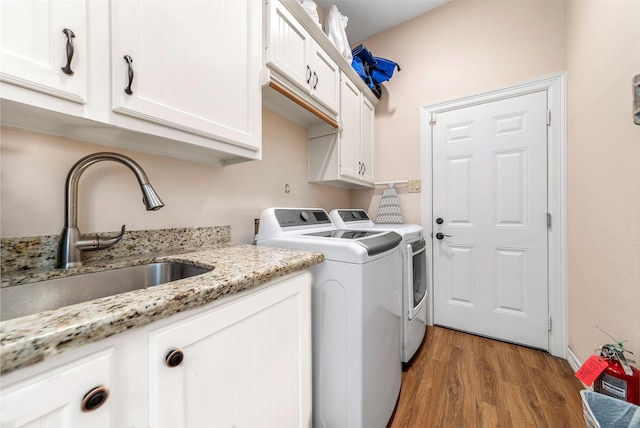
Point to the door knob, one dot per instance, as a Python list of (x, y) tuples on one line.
[(439, 220), (441, 235)]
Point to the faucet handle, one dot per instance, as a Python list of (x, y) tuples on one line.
[(102, 242)]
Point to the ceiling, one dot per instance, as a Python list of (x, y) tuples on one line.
[(369, 17)]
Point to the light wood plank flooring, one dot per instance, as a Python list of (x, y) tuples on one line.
[(460, 380)]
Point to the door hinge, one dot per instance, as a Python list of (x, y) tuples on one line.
[(550, 323), (433, 119), (549, 220), (548, 117)]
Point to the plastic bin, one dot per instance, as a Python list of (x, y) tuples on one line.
[(602, 411)]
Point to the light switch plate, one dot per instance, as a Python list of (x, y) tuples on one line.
[(414, 186)]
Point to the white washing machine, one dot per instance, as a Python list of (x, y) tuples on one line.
[(414, 273), (356, 308)]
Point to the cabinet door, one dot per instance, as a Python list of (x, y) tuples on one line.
[(325, 79), (246, 363), (54, 398), (35, 47), (288, 45), (367, 114), (350, 162), (195, 66)]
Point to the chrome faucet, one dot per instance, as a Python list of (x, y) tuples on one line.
[(72, 242)]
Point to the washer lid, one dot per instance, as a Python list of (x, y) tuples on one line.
[(375, 242)]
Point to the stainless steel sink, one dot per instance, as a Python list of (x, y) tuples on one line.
[(20, 300)]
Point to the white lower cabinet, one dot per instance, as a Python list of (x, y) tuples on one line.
[(72, 395), (246, 362)]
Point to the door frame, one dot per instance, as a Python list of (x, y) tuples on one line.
[(556, 88)]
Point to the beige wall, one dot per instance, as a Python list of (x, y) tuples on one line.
[(468, 47), (459, 49), (603, 55), (34, 167)]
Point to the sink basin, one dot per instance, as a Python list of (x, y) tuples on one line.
[(20, 300)]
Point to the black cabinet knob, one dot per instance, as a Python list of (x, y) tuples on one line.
[(174, 358), (439, 220), (94, 399)]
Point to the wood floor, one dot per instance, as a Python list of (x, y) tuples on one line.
[(460, 380)]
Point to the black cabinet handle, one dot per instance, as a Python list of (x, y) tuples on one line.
[(129, 61), (94, 399), (308, 74), (441, 235), (316, 80), (364, 168), (174, 358), (70, 50)]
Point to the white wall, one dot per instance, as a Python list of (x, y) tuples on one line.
[(34, 167)]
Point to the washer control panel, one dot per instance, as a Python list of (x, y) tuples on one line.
[(302, 217)]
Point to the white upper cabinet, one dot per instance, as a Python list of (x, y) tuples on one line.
[(287, 45), (190, 89), (350, 147), (190, 65), (345, 158), (44, 47), (367, 122), (294, 55), (325, 79)]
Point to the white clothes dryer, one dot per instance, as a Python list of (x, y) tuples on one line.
[(414, 273), (356, 308)]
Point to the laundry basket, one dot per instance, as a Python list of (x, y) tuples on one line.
[(602, 411)]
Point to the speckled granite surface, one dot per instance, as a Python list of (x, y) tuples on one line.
[(32, 338), (39, 252)]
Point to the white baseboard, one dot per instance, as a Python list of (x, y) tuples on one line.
[(575, 364), (573, 360)]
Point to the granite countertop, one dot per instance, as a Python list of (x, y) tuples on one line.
[(33, 338)]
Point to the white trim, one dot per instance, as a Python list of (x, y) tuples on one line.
[(573, 360), (556, 88), (575, 363)]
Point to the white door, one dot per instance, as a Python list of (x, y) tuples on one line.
[(490, 209)]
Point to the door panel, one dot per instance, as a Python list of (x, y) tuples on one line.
[(490, 187), (461, 276), (510, 188), (459, 182)]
